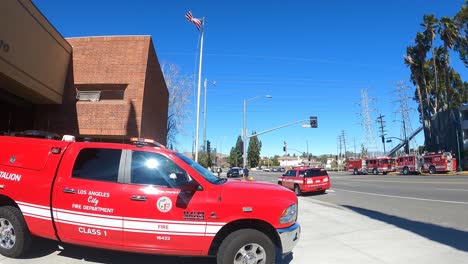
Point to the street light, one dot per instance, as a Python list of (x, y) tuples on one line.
[(204, 113), (244, 131)]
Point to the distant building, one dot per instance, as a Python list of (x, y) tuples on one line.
[(102, 87), (288, 161)]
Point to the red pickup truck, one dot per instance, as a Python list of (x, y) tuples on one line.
[(138, 198)]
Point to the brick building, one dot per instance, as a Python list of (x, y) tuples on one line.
[(100, 87)]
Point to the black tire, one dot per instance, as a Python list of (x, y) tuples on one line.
[(15, 238), (280, 183), (253, 242), (375, 171), (297, 190), (355, 172), (384, 173), (432, 170), (405, 171)]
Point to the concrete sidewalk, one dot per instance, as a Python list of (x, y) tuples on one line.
[(334, 234)]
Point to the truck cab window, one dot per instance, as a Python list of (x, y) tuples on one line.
[(155, 169), (97, 164)]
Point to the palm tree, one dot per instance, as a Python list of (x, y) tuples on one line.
[(430, 27), (461, 44), (448, 32)]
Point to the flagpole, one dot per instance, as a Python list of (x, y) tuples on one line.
[(199, 89)]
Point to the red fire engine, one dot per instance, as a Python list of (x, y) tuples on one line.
[(356, 166), (409, 164), (427, 163), (438, 162), (382, 165)]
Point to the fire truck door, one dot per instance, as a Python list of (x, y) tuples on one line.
[(161, 215), (87, 197)]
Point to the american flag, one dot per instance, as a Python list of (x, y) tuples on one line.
[(197, 22)]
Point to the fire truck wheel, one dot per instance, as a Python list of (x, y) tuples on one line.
[(297, 190), (15, 238), (432, 170), (246, 246), (375, 172), (405, 171), (355, 172)]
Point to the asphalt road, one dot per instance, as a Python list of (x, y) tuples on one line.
[(362, 219), (440, 202)]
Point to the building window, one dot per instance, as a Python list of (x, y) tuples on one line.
[(99, 92)]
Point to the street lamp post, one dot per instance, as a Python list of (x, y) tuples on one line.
[(204, 114), (244, 131)]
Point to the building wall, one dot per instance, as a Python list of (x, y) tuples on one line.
[(34, 57), (120, 63), (155, 100)]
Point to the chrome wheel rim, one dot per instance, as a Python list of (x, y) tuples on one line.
[(251, 253), (7, 234)]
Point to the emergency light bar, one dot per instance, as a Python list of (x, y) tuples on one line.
[(146, 142)]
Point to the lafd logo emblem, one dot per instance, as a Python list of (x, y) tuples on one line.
[(164, 204)]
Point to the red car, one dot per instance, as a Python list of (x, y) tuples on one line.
[(303, 180)]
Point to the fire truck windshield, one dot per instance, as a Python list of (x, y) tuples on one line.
[(200, 169)]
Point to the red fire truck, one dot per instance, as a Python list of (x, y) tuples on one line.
[(356, 166), (427, 163), (138, 197), (439, 162), (409, 164), (382, 165)]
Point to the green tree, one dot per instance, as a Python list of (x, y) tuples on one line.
[(363, 151), (209, 161), (448, 34), (461, 43), (430, 26), (203, 158), (253, 152), (275, 161), (235, 156)]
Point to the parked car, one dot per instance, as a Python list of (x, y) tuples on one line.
[(234, 172), (304, 180), (276, 169)]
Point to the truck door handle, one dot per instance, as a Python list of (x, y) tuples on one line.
[(139, 198), (68, 190)]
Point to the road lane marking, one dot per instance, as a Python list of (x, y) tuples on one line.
[(443, 182), (463, 190), (404, 197)]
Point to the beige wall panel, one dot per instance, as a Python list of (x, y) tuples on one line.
[(33, 53)]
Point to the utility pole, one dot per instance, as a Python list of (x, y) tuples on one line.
[(343, 138), (204, 116), (355, 153), (382, 131)]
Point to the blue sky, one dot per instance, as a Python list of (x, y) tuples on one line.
[(313, 57)]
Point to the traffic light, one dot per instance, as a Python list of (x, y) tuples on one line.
[(313, 122), (285, 147)]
